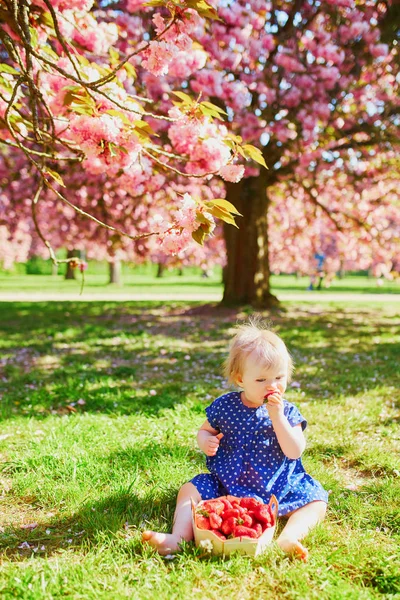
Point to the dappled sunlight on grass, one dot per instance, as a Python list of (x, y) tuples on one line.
[(100, 410)]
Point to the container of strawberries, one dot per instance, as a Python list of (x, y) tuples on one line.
[(233, 524)]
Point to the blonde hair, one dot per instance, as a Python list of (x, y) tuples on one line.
[(256, 337)]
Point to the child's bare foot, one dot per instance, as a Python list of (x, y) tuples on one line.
[(294, 548), (164, 543)]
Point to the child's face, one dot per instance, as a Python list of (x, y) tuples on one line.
[(257, 380)]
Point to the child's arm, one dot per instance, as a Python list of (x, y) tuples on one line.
[(291, 439), (208, 439)]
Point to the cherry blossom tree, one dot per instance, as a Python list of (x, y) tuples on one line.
[(311, 84), (74, 98)]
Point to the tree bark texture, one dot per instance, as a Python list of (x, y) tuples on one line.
[(247, 273), (160, 269), (115, 271), (70, 272)]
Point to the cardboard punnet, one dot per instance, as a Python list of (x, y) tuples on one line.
[(246, 546)]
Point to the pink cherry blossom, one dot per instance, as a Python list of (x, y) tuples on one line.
[(232, 173)]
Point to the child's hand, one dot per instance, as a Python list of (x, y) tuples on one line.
[(274, 403), (212, 443)]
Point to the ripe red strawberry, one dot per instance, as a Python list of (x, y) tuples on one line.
[(225, 502), (202, 522), (246, 519), (242, 531), (233, 512), (219, 534), (258, 529), (228, 526), (250, 503), (214, 506), (215, 520), (236, 506), (262, 514), (233, 499)]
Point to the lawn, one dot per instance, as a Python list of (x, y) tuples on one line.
[(100, 404), (143, 280)]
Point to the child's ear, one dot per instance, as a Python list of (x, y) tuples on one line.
[(238, 379)]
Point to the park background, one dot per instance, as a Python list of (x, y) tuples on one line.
[(133, 191)]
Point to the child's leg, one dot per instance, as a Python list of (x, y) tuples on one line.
[(167, 543), (299, 524)]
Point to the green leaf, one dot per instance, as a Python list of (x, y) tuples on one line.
[(208, 112), (130, 69), (50, 52), (204, 9), (184, 97), (8, 69), (47, 20), (54, 176), (224, 215), (214, 107), (154, 3), (255, 154), (144, 128), (199, 235), (34, 37), (222, 203), (82, 110)]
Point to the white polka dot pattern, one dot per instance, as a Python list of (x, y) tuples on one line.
[(250, 462)]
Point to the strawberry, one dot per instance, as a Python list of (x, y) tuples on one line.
[(250, 503), (219, 534), (258, 529), (246, 519), (233, 512), (242, 531), (233, 499), (236, 506), (228, 526), (225, 502), (262, 514), (214, 506), (215, 520), (202, 522)]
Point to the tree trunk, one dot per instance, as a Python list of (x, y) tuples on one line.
[(70, 272), (115, 271), (247, 273), (160, 269)]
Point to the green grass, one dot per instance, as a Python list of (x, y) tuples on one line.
[(90, 457), (142, 280)]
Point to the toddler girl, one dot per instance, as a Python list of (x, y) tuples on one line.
[(253, 440)]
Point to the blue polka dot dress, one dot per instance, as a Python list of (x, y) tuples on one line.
[(249, 460)]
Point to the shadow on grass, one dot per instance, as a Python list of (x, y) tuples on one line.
[(107, 517), (132, 358)]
